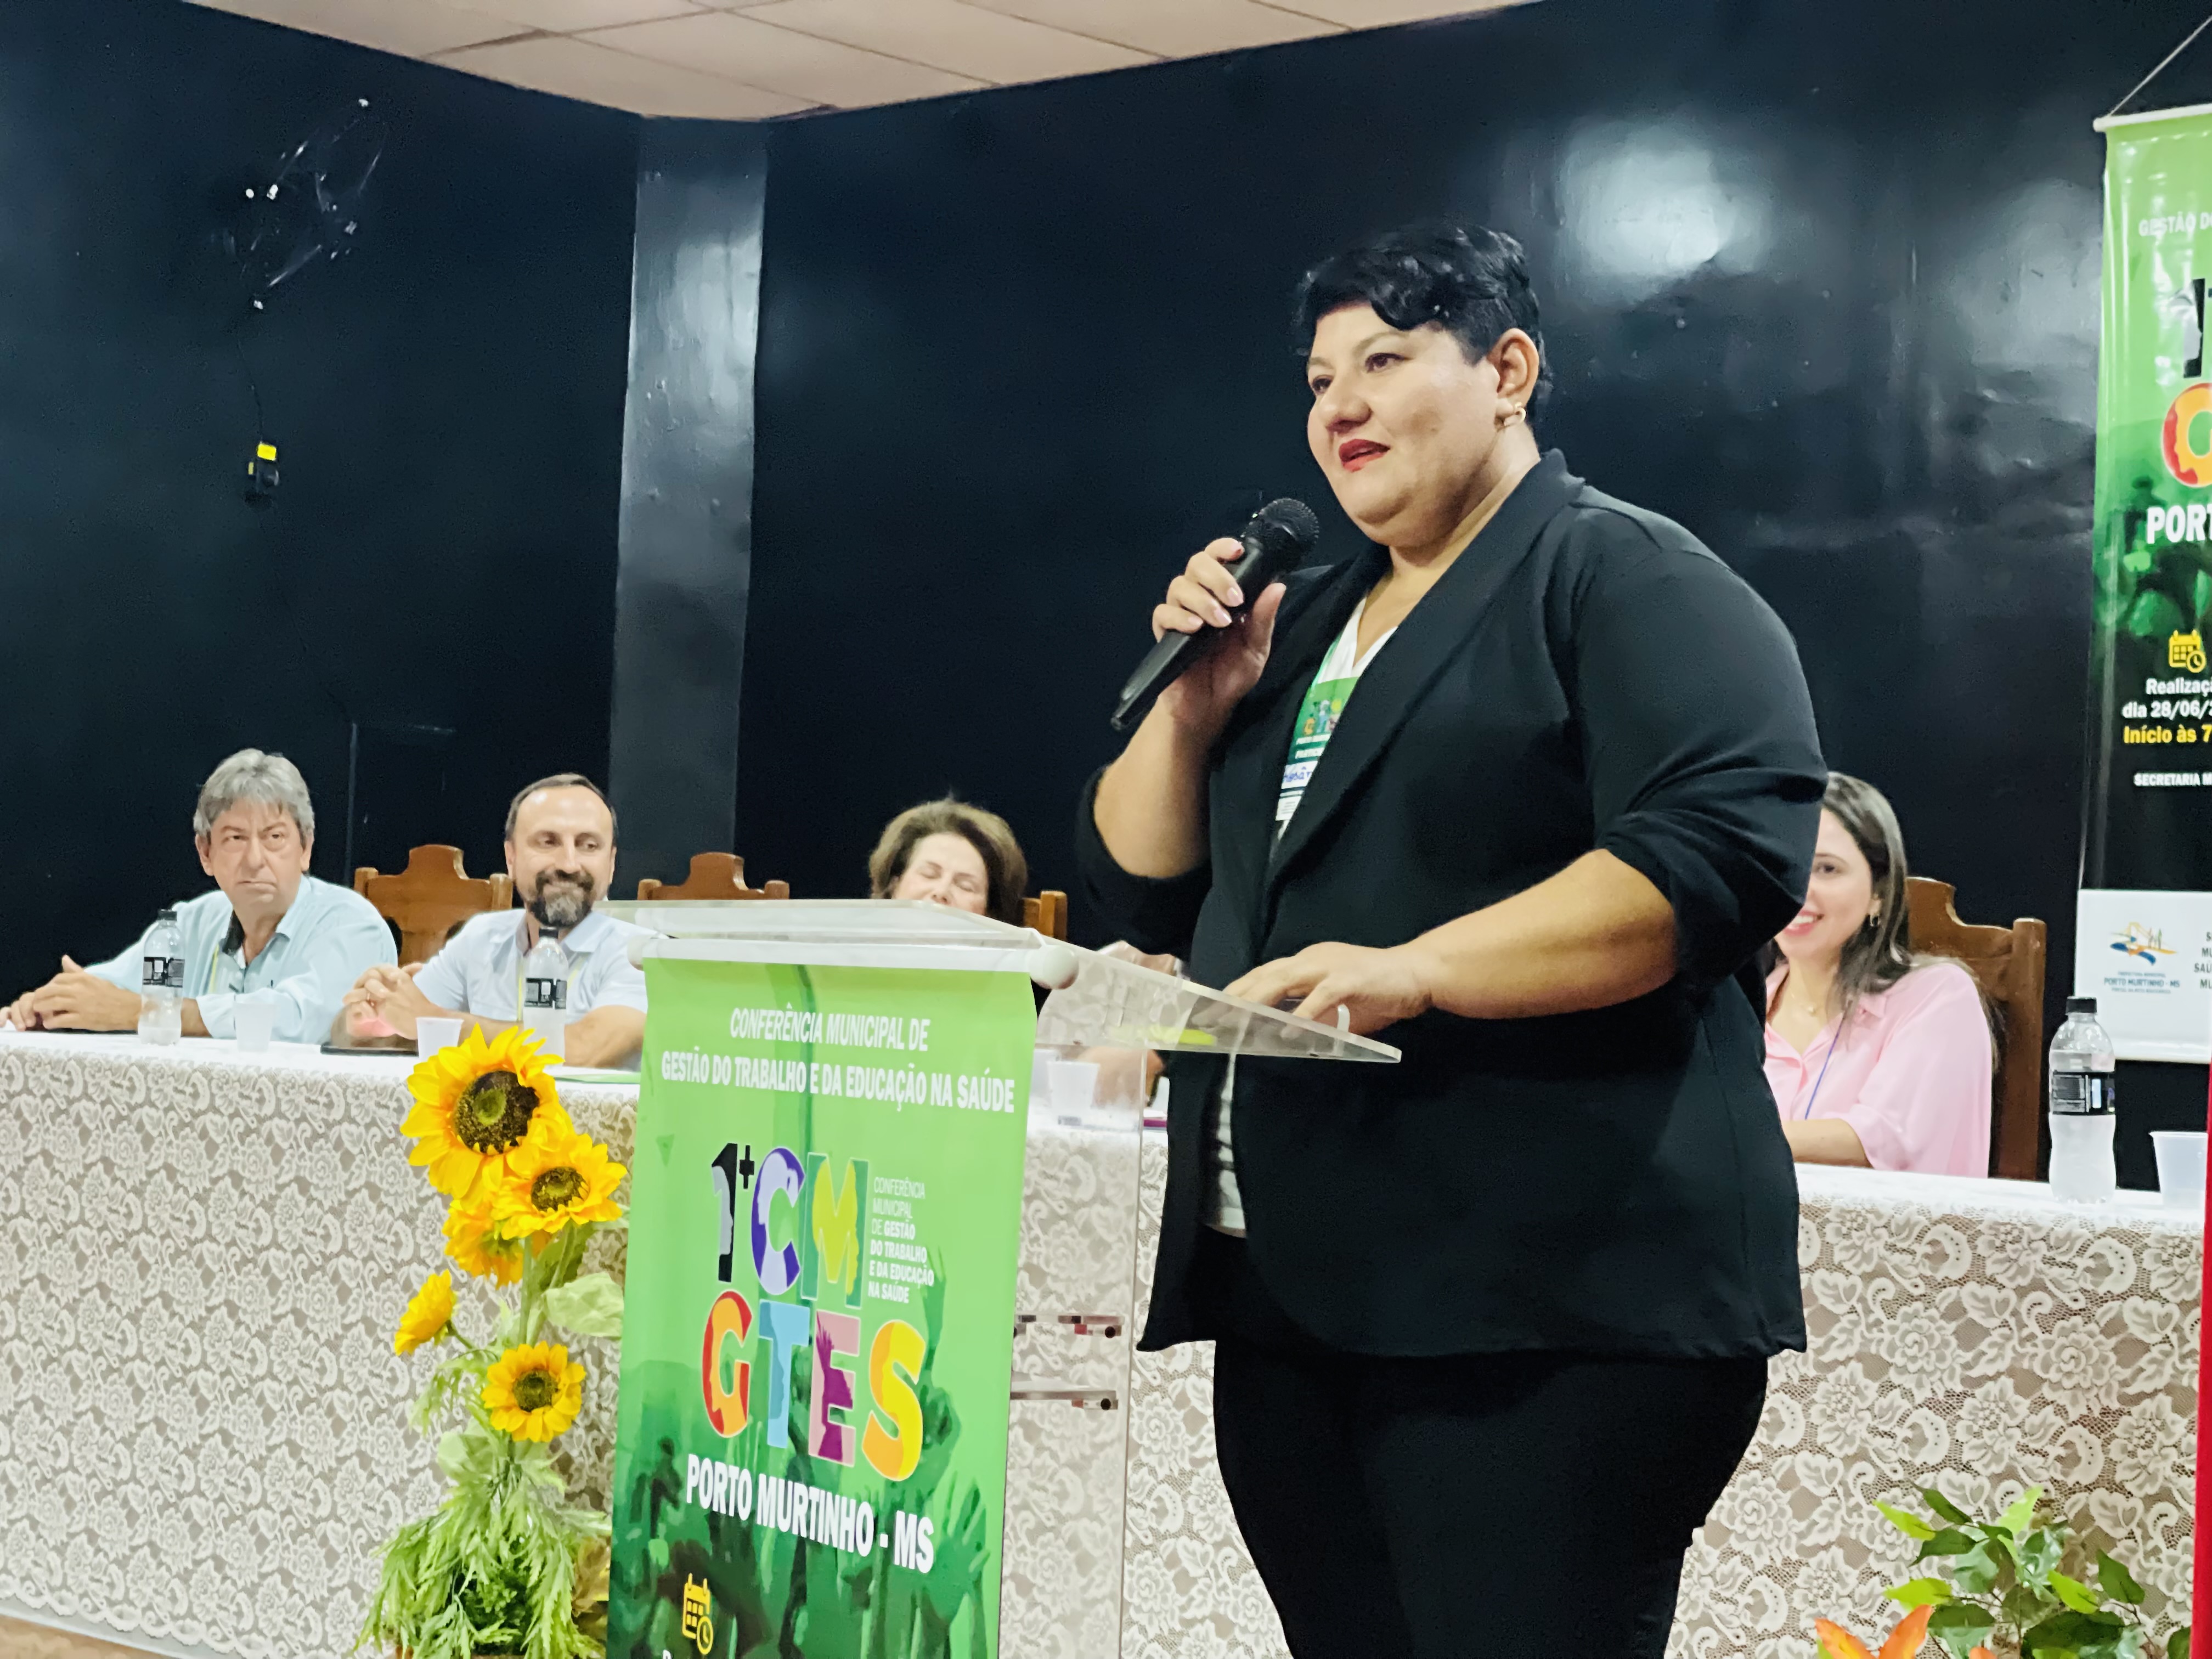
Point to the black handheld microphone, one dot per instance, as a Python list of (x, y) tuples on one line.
[(1276, 542)]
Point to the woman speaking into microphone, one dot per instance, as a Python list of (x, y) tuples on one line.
[(1522, 789)]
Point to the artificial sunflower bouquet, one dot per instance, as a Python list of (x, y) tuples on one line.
[(507, 1564)]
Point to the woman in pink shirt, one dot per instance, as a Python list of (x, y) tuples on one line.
[(1877, 1057)]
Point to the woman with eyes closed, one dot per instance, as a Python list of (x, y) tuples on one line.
[(1520, 788), (946, 852)]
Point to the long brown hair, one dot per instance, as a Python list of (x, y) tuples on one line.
[(1006, 872), (1881, 953)]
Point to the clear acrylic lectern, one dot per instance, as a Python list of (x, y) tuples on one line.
[(1076, 1296)]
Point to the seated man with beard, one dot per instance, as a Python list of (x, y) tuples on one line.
[(561, 853)]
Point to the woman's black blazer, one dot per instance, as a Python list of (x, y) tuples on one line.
[(1585, 675)]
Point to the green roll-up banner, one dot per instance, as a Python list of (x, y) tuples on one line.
[(818, 1322), (2143, 944)]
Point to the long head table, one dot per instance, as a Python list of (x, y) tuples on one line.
[(203, 1439), (1976, 1336), (202, 1436)]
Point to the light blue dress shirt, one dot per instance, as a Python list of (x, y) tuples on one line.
[(480, 969), (326, 940)]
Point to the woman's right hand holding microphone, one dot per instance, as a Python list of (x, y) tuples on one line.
[(1204, 596), (1150, 804)]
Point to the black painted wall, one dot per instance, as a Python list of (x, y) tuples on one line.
[(448, 403), (1820, 282)]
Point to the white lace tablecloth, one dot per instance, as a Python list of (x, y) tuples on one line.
[(202, 1426), (202, 1254), (203, 1439), (1975, 1335)]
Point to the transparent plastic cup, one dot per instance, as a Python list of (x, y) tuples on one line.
[(432, 1035), (256, 1025), (2180, 1167)]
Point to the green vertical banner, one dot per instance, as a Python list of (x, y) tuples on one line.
[(2144, 940), (817, 1334)]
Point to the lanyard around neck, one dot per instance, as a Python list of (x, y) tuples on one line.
[(1834, 1043), (215, 962)]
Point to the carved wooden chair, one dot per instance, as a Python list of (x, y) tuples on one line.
[(430, 898), (1047, 912), (713, 876), (2007, 963)]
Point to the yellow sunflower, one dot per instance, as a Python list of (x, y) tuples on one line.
[(472, 1240), (428, 1316), (473, 1105), (534, 1392), (558, 1177)]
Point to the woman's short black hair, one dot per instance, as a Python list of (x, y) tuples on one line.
[(1474, 282)]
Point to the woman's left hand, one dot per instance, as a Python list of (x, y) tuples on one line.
[(1380, 987)]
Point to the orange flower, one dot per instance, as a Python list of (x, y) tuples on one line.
[(1905, 1641)]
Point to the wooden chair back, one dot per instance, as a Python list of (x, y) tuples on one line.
[(427, 899), (2007, 963), (1047, 912), (713, 876)]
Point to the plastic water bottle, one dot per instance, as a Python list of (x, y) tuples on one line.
[(545, 995), (161, 982), (2083, 1107)]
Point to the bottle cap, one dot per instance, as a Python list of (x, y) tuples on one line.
[(168, 914), (2081, 1004)]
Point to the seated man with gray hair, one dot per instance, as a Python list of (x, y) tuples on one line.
[(270, 930)]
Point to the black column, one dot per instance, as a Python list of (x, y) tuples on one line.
[(687, 487)]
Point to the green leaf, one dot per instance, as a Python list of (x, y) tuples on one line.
[(2087, 1635), (2025, 1605), (1944, 1507), (1920, 1593), (2075, 1594), (1949, 1541), (1961, 1626), (2021, 1515), (1978, 1569), (468, 1454), (2118, 1583), (2177, 1646), (590, 1306), (1906, 1523), (2038, 1553), (2000, 1541)]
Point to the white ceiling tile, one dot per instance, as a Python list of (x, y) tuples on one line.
[(1381, 13), (568, 17), (577, 69), (782, 60), (1173, 29), (990, 45), (410, 28)]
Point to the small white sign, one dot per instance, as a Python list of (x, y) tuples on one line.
[(2147, 958)]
